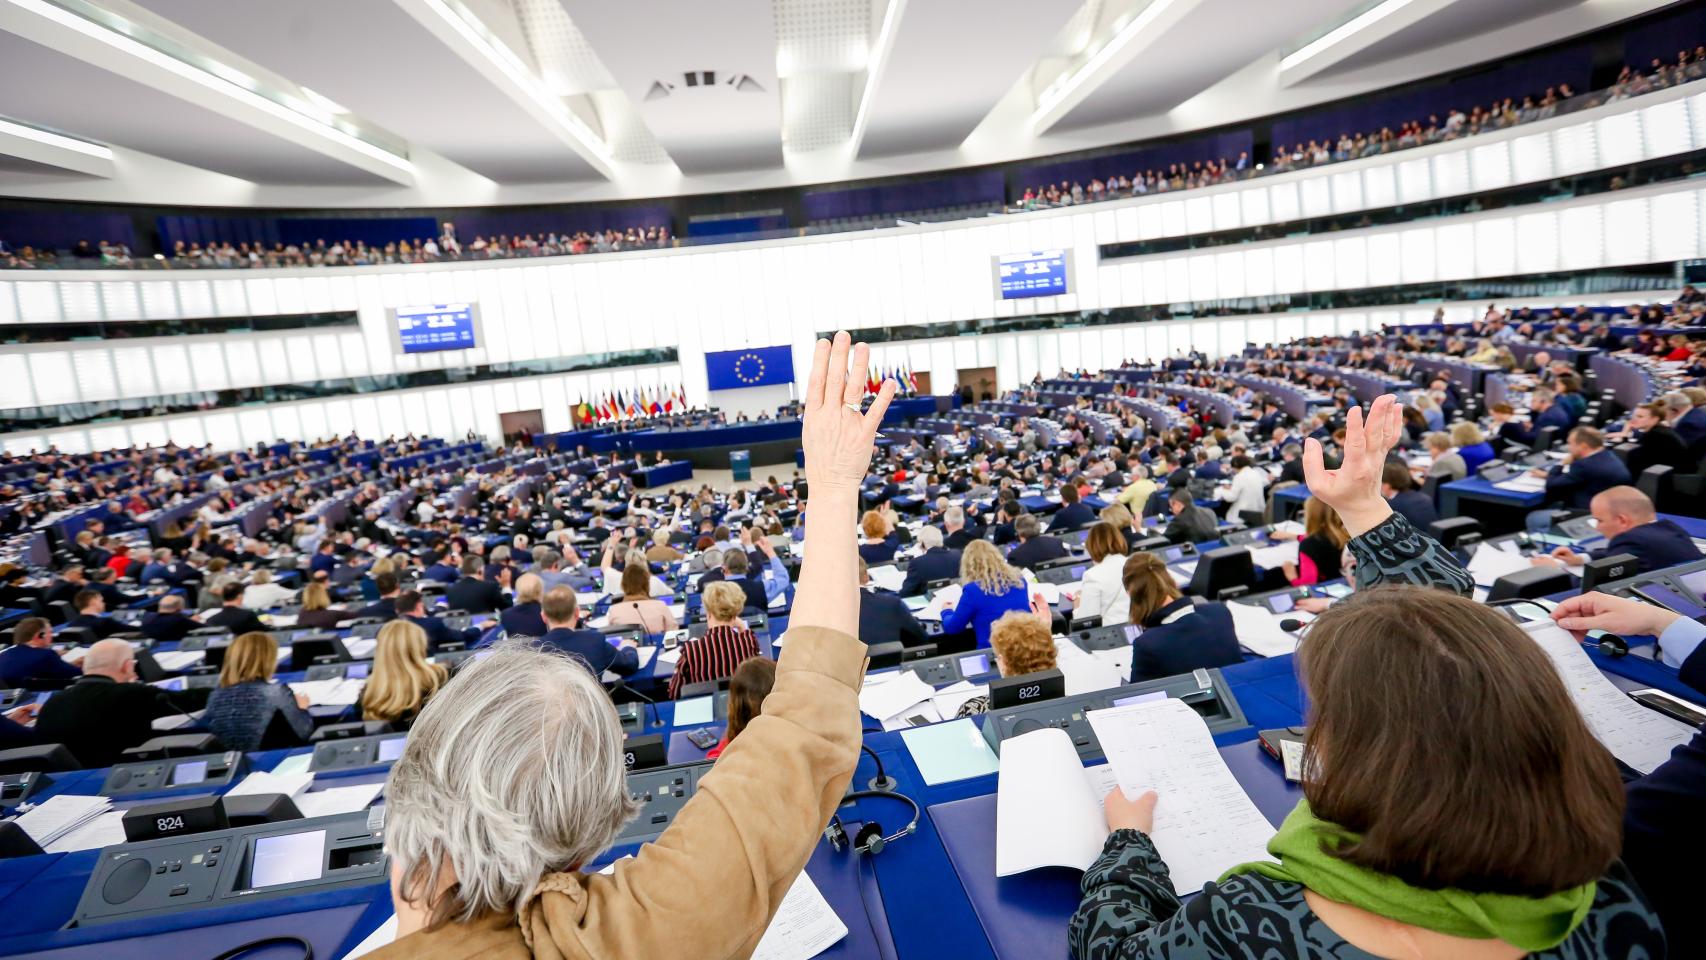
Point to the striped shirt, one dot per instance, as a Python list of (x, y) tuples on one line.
[(712, 656)]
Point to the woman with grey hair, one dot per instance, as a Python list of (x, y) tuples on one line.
[(513, 779)]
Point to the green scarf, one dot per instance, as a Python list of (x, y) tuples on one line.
[(1533, 924)]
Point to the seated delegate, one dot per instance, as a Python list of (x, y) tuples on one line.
[(30, 662), (524, 619), (247, 702), (1322, 546), (727, 641), (487, 833), (1626, 518), (751, 682), (106, 711), (1483, 833), (1022, 643), (1102, 592), (884, 617), (562, 618), (1177, 636), (401, 679), (638, 608), (989, 588)]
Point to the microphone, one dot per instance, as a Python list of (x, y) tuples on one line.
[(882, 781), (622, 684), (1290, 625)]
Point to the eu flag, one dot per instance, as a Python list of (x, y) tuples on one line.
[(749, 367)]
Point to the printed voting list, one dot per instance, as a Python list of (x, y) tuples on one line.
[(1639, 737), (1049, 808)]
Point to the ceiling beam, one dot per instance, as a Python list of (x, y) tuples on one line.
[(1355, 35), (1142, 31), (65, 32), (510, 74), (32, 143)]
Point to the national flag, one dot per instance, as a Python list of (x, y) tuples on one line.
[(669, 401), (911, 381)]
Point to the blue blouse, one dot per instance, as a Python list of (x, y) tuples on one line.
[(980, 609), (1476, 454), (239, 714)]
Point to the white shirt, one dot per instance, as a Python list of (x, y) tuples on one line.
[(1246, 493), (265, 596), (425, 512), (1103, 592)]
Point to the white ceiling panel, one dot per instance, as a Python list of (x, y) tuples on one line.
[(702, 76)]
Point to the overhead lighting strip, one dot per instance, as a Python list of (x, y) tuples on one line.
[(24, 131), (1068, 84), (1342, 32)]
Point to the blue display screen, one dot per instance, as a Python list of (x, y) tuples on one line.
[(1039, 274), (444, 326)]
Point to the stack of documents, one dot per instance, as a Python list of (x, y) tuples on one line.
[(1490, 563), (176, 660), (948, 596), (291, 785), (361, 649), (899, 697), (1259, 630), (326, 803), (888, 577), (55, 818), (1522, 483), (1274, 557), (1049, 807), (1639, 737)]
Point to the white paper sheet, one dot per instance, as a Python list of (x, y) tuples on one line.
[(325, 803), (1490, 563), (59, 816), (646, 653), (945, 597), (1118, 659), (105, 830), (175, 660), (949, 699), (1259, 630), (670, 657), (1050, 591), (1204, 821), (292, 765), (919, 714), (1272, 558), (884, 700), (1085, 673), (1048, 807), (888, 577), (361, 649), (1291, 527), (804, 925), (1639, 737), (339, 692), (291, 785), (1522, 483)]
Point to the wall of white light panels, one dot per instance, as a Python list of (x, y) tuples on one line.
[(716, 298)]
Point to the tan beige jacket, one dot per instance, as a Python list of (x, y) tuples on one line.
[(709, 886)]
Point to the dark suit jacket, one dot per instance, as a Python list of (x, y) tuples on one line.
[(476, 596), (1416, 508), (1038, 549), (97, 718), (235, 619), (1194, 524), (884, 618), (13, 735), (1660, 446), (1692, 427), (523, 620), (21, 665), (439, 633), (323, 561), (1071, 517), (100, 626), (938, 564), (593, 650), (167, 627), (1553, 416), (1663, 840), (1203, 638), (1653, 545), (961, 537), (384, 609), (1576, 484), (442, 573)]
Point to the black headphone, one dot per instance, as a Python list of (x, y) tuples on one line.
[(870, 837), (1611, 645)]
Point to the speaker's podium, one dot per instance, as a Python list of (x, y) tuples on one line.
[(740, 462)]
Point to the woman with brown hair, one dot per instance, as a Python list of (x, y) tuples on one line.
[(1320, 553), (748, 687), (402, 678), (1457, 805), (1178, 636), (1102, 592), (638, 607), (242, 708)]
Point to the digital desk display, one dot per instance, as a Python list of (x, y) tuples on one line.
[(357, 671), (1695, 581), (1281, 603), (1041, 273), (391, 750), (292, 858), (1149, 697), (443, 326), (188, 772), (974, 665)]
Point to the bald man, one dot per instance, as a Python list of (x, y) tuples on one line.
[(107, 711), (1627, 520)]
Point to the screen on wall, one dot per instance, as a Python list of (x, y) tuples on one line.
[(442, 326), (1041, 273)]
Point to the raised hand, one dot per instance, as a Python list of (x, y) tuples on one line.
[(1354, 488), (838, 439)]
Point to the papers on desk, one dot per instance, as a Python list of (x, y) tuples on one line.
[(175, 660), (1118, 659), (671, 657), (1274, 557), (950, 751), (1083, 672), (292, 785), (945, 597), (1048, 807), (779, 601), (1490, 563), (894, 696), (361, 649), (292, 765), (1204, 821), (341, 692), (1522, 483), (646, 654), (950, 699), (106, 830), (326, 803), (1288, 527), (1639, 737), (175, 720), (888, 577), (57, 817), (1181, 572), (804, 925), (1259, 630), (693, 712), (921, 714), (1051, 592)]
